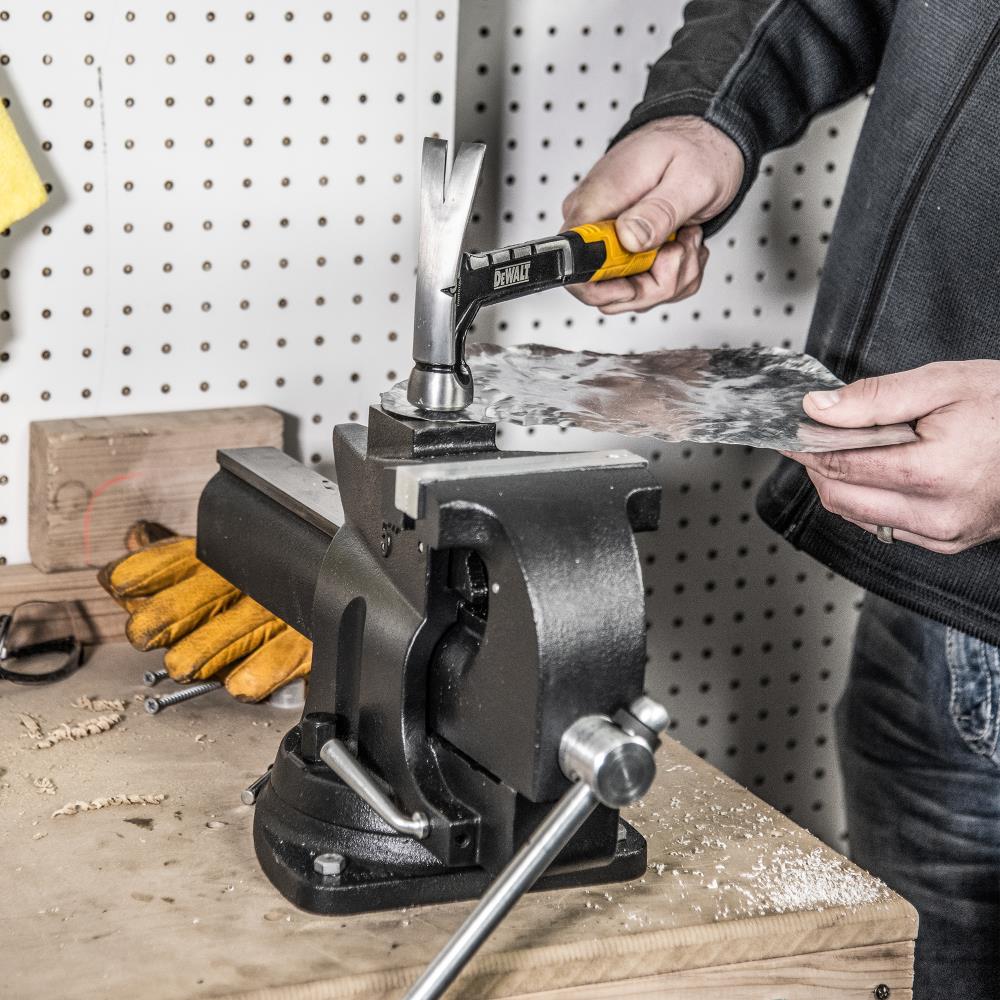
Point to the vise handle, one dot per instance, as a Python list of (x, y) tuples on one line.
[(608, 762), (346, 766)]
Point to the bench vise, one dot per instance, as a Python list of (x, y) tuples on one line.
[(466, 607), (475, 716)]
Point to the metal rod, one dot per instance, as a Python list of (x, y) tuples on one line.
[(345, 765), (524, 869), (152, 704), (250, 794)]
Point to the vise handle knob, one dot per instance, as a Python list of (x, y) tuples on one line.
[(346, 766), (608, 762)]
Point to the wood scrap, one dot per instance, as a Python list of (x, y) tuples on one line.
[(99, 704), (31, 725), (90, 478), (72, 808), (79, 730), (45, 785)]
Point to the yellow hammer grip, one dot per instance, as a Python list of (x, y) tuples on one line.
[(618, 262)]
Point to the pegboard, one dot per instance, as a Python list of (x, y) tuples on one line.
[(233, 220), (233, 210), (748, 640)]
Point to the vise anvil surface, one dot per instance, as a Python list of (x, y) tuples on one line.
[(466, 606)]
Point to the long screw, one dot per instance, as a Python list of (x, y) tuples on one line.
[(153, 677), (152, 704)]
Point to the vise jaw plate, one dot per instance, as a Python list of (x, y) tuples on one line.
[(411, 480)]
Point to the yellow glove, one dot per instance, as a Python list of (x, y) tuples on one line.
[(174, 600), (21, 189)]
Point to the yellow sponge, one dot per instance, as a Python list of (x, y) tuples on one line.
[(21, 189)]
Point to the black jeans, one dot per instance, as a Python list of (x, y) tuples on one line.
[(918, 729)]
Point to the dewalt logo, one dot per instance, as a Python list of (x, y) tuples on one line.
[(513, 274)]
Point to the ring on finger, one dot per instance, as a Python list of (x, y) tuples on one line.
[(883, 532)]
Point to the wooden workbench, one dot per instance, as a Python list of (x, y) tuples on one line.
[(166, 901)]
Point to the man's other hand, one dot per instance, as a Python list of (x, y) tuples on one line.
[(667, 176), (941, 492)]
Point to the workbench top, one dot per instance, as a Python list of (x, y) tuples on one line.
[(166, 900)]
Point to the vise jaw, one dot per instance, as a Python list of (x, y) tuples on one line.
[(466, 606)]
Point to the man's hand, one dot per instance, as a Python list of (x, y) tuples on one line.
[(941, 492), (668, 176)]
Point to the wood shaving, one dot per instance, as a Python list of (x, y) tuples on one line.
[(45, 785), (99, 704), (34, 729), (79, 730), (72, 808)]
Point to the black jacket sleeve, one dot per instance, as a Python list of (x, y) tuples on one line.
[(761, 69)]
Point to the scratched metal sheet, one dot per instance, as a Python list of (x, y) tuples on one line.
[(737, 396)]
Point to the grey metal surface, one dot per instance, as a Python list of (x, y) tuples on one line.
[(434, 391), (299, 489), (345, 765), (445, 207), (411, 479), (617, 766)]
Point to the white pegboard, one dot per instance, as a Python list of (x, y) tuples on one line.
[(748, 640), (233, 220), (233, 212)]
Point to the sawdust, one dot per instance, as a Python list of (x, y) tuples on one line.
[(740, 861), (79, 730), (31, 725), (72, 808), (98, 704), (794, 880), (45, 785)]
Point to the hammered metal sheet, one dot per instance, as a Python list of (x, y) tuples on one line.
[(742, 396)]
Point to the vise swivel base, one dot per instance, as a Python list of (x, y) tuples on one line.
[(466, 608)]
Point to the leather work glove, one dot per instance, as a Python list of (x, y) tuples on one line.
[(175, 601)]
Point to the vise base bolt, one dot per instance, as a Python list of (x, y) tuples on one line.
[(329, 864)]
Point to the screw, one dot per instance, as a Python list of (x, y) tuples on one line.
[(386, 543), (881, 992), (153, 704), (153, 677), (329, 864)]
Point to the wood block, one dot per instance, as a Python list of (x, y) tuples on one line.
[(99, 619), (90, 479)]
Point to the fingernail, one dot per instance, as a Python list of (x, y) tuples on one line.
[(640, 231), (824, 400), (699, 238)]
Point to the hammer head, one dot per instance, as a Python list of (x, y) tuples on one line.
[(440, 380)]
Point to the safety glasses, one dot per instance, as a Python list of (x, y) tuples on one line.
[(39, 643)]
